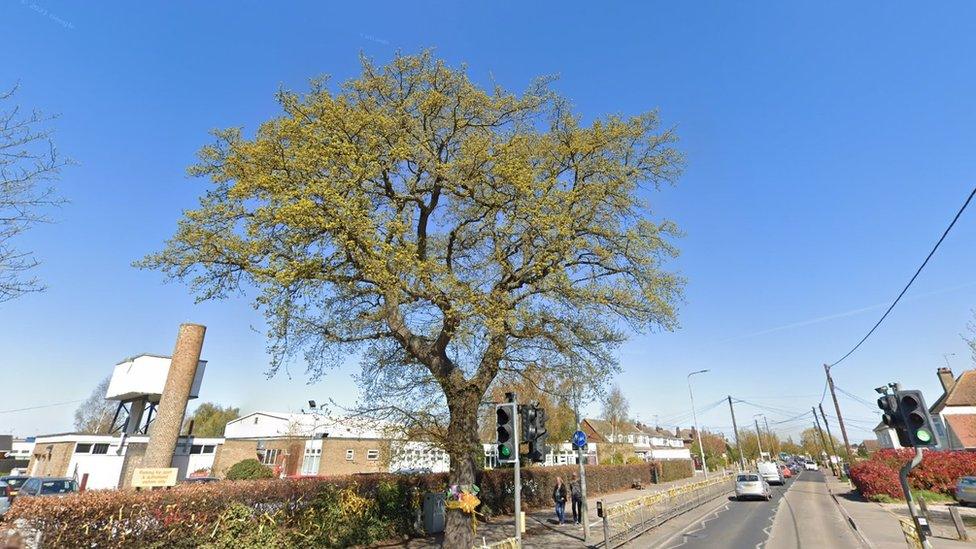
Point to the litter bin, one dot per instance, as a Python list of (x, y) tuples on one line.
[(435, 516)]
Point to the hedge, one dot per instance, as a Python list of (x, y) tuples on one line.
[(324, 511), (938, 472)]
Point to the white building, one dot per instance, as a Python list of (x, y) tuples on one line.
[(97, 460)]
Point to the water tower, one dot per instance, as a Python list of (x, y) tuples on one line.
[(137, 384)]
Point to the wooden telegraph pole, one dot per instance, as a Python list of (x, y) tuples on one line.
[(840, 418)]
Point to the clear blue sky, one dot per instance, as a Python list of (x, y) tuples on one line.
[(828, 145)]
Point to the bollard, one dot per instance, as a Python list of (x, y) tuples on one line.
[(959, 524)]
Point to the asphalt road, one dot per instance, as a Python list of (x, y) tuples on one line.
[(801, 515), (809, 518), (736, 524)]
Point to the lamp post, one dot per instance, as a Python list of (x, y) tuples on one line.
[(701, 448)]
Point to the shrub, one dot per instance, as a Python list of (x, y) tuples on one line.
[(249, 469), (674, 469), (302, 512), (938, 472)]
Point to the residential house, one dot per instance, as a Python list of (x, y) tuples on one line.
[(635, 440), (954, 413)]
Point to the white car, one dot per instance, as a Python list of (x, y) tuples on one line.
[(751, 485), (810, 465), (771, 473)]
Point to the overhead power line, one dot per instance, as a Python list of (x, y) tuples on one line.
[(41, 406), (917, 272)]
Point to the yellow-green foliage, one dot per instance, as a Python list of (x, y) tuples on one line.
[(445, 230)]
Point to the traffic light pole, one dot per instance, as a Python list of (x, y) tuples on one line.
[(921, 525), (840, 418), (513, 398), (735, 427)]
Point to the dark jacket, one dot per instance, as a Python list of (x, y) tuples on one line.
[(576, 490), (559, 493)]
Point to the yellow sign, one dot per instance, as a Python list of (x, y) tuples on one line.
[(148, 477)]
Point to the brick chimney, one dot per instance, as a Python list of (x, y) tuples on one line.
[(947, 379)]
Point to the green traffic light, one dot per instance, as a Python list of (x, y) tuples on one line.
[(505, 451), (923, 435)]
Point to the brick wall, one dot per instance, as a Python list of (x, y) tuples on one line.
[(51, 459), (335, 462), (291, 452), (135, 453)]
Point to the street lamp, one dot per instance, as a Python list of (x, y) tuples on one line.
[(701, 449)]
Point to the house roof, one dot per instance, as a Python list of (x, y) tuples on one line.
[(870, 445), (963, 427), (602, 428), (963, 393)]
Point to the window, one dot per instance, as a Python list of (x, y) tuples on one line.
[(58, 486), (271, 456), (100, 449), (83, 448), (255, 420), (372, 455), (208, 449), (350, 454)]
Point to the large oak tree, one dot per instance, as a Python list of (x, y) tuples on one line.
[(443, 231)]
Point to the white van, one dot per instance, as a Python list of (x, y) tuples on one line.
[(770, 471)]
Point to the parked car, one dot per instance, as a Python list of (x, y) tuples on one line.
[(13, 482), (770, 472), (966, 490), (199, 480), (751, 486), (785, 471), (810, 465), (5, 498), (38, 486)]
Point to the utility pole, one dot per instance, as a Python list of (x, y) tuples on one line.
[(823, 440), (701, 448), (840, 418), (735, 427), (769, 436), (758, 438), (830, 437)]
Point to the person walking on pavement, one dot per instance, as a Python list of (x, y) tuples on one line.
[(576, 493), (559, 497)]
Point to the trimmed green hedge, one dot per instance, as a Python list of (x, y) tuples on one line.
[(305, 512)]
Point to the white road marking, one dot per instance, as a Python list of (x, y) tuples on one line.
[(701, 526)]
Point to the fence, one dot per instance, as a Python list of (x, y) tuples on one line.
[(625, 521), (508, 543)]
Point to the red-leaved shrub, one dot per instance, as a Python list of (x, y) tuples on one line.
[(938, 472)]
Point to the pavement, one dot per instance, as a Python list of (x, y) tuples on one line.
[(879, 526), (809, 517), (812, 511), (541, 531)]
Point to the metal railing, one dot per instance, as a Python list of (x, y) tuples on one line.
[(627, 520), (508, 543)]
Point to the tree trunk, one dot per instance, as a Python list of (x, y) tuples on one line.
[(465, 450)]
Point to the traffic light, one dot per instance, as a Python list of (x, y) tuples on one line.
[(536, 426), (508, 438), (915, 419), (892, 418), (527, 414)]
